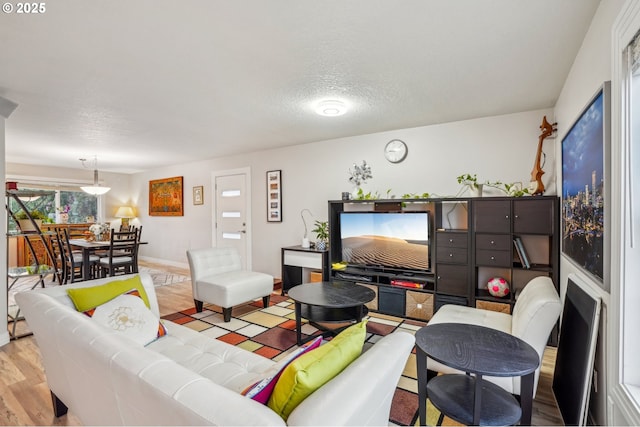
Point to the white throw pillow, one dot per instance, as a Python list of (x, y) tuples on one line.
[(129, 315)]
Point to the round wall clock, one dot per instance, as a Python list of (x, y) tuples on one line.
[(395, 151)]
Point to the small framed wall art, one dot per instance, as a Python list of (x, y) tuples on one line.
[(165, 197), (198, 197), (274, 196)]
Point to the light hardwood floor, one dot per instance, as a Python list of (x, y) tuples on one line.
[(25, 398)]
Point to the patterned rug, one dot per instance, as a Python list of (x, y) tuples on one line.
[(163, 278), (271, 333)]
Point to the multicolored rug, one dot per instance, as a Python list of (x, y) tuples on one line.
[(271, 333), (163, 278)]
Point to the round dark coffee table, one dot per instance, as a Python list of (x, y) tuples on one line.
[(331, 302)]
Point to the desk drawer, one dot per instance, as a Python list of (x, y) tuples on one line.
[(494, 258), (452, 255), (497, 242), (451, 240)]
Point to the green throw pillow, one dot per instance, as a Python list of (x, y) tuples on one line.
[(87, 298), (312, 370)]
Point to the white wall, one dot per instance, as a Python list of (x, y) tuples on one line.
[(496, 148), (590, 69), (4, 334)]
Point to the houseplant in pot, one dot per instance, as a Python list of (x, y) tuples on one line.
[(322, 234), (25, 223)]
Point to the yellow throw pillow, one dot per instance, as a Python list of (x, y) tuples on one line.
[(87, 298), (312, 370)]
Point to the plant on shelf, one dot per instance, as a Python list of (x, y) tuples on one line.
[(469, 180), (513, 189), (35, 214), (416, 196), (322, 234)]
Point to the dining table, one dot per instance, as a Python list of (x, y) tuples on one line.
[(88, 247)]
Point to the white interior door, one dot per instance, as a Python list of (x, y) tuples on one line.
[(232, 214)]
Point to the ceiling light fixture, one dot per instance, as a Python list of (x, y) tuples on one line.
[(96, 189), (331, 108)]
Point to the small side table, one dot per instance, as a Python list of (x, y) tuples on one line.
[(298, 261), (477, 350)]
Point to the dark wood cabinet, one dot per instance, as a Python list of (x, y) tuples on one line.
[(492, 216), (498, 224), (453, 280), (535, 216), (467, 249)]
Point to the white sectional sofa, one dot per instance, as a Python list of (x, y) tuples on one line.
[(186, 378)]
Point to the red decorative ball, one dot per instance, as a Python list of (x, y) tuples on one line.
[(498, 287)]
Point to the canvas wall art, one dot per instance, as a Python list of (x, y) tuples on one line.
[(166, 197), (584, 181)]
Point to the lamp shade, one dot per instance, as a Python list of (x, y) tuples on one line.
[(125, 212), (96, 189)]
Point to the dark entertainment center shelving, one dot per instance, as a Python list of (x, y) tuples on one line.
[(470, 241)]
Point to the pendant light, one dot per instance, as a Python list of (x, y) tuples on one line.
[(96, 189)]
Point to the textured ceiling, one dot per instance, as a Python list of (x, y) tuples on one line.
[(169, 82)]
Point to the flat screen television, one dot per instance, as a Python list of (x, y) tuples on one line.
[(386, 240)]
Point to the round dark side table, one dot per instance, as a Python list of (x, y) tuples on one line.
[(469, 399), (336, 302)]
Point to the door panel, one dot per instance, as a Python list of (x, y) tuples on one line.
[(231, 214)]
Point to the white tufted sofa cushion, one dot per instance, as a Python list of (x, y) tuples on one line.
[(222, 363)]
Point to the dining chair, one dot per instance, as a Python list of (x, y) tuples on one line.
[(58, 262), (74, 261), (122, 255)]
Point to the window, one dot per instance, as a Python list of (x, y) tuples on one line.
[(80, 206), (624, 316)]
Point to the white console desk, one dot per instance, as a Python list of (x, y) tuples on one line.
[(298, 262)]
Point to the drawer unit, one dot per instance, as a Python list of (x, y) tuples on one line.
[(494, 258), (451, 240), (452, 255), (496, 242), (453, 279)]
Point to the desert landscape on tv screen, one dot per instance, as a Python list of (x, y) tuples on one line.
[(385, 251)]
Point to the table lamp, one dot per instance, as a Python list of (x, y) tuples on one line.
[(125, 212), (305, 239)]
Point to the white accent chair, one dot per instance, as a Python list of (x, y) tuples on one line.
[(217, 277), (535, 312)]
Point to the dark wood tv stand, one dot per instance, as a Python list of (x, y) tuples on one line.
[(471, 241)]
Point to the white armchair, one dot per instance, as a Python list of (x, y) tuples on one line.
[(217, 277), (535, 312)]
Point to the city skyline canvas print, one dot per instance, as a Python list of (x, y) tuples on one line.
[(583, 184)]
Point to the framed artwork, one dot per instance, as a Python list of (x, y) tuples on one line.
[(165, 197), (274, 196), (198, 197), (585, 184)]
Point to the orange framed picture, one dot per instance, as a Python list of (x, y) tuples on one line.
[(166, 197)]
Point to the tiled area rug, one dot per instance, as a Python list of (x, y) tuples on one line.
[(271, 333), (163, 278)]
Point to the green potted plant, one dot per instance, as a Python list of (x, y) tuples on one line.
[(322, 234), (471, 181), (25, 224)]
